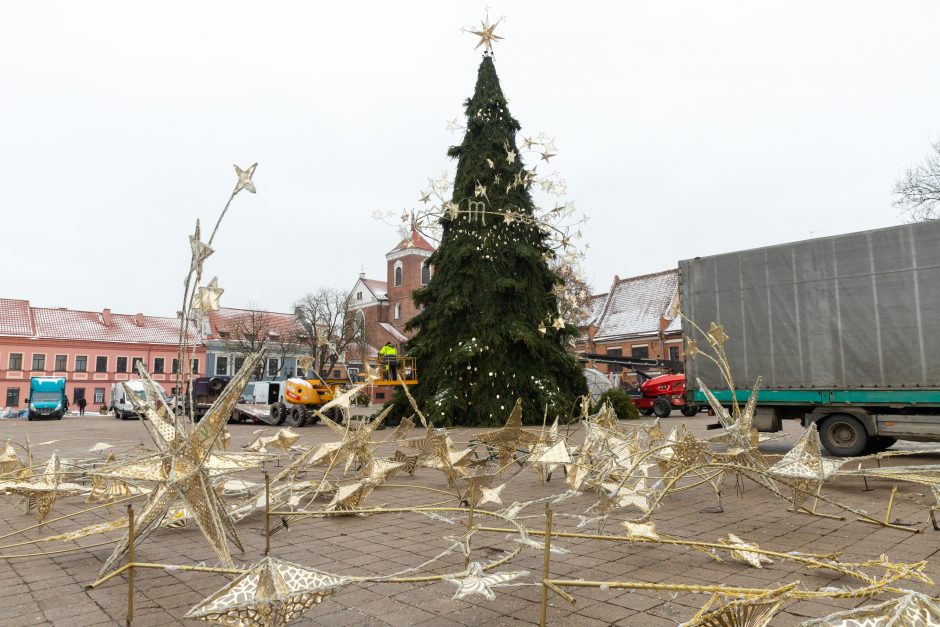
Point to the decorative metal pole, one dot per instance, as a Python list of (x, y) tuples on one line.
[(267, 513), (131, 538), (546, 560)]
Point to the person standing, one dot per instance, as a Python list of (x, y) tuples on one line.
[(81, 405), (389, 356)]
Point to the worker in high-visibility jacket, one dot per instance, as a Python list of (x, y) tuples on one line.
[(389, 357)]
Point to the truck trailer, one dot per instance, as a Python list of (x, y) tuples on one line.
[(844, 331)]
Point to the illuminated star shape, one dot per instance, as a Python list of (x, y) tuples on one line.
[(454, 125), (486, 34), (546, 155), (491, 495), (479, 190), (208, 298), (511, 156), (244, 178), (507, 438), (425, 197), (559, 323), (405, 215), (528, 142), (546, 185), (717, 335)]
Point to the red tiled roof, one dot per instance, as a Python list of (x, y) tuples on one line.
[(15, 318), (415, 240), (69, 324), (229, 320)]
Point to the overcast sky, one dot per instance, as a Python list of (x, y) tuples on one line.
[(684, 129)]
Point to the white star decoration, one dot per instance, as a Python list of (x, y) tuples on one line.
[(244, 178)]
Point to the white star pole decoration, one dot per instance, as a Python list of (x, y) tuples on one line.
[(244, 179)]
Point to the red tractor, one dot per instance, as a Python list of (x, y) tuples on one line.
[(654, 395)]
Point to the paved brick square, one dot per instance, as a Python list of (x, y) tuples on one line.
[(48, 589)]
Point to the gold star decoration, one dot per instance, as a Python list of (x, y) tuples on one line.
[(45, 489), (201, 251), (486, 34), (207, 299), (510, 436), (244, 178), (424, 197), (182, 467), (475, 582), (716, 334), (273, 593)]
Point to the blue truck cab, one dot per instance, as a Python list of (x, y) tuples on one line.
[(47, 398)]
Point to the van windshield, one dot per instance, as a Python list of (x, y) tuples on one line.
[(46, 397)]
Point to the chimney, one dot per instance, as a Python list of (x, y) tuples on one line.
[(139, 319), (106, 317)]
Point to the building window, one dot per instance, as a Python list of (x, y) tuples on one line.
[(379, 395), (397, 311), (158, 364), (99, 395), (274, 366), (15, 362), (614, 368), (61, 363), (81, 363), (135, 362), (398, 274), (195, 366), (121, 364), (425, 273), (176, 366), (78, 393), (336, 374), (39, 362), (101, 364), (640, 352), (358, 295), (13, 397), (237, 364), (674, 353), (221, 365)]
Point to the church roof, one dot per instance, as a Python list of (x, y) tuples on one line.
[(414, 241)]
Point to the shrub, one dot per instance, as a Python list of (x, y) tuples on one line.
[(620, 401)]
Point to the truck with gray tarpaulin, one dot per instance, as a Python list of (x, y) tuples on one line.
[(844, 330)]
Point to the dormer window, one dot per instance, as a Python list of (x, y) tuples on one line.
[(358, 295), (224, 334), (398, 274)]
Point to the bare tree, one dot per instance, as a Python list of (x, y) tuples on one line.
[(330, 326), (255, 330), (574, 294), (919, 189)]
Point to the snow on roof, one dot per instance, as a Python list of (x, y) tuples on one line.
[(230, 320), (15, 318), (70, 324), (378, 288), (415, 240), (636, 305), (595, 309), (395, 333), (675, 326)]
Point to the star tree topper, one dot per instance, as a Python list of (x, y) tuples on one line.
[(486, 34)]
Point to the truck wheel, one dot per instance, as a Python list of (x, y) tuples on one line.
[(216, 384), (312, 418), (690, 410), (843, 435), (282, 411), (879, 443), (295, 417), (275, 413), (646, 412), (662, 407)]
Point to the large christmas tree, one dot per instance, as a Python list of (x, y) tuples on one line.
[(489, 330)]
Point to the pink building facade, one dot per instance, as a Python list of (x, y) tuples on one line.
[(92, 350)]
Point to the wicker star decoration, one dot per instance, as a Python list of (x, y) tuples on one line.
[(476, 582), (911, 610), (207, 299), (181, 468), (200, 250), (9, 462), (509, 436), (741, 553), (804, 466), (244, 178), (272, 594), (45, 489), (486, 34)]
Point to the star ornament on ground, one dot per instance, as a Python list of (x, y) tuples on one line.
[(476, 582), (486, 34), (182, 470), (273, 593), (244, 178)]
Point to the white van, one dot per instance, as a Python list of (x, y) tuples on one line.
[(261, 392), (122, 406)]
